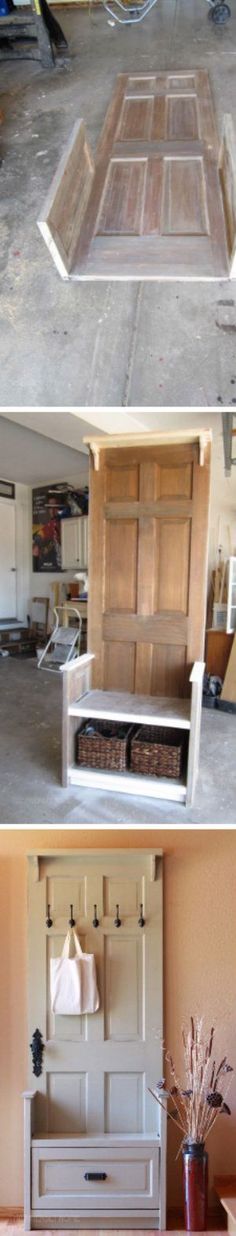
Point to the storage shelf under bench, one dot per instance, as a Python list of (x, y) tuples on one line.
[(128, 783), (81, 703)]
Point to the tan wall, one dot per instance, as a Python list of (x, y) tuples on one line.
[(199, 960)]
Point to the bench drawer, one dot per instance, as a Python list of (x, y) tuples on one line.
[(129, 1177)]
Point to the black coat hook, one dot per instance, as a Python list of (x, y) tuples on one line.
[(48, 919), (71, 919), (117, 919), (141, 921), (95, 919)]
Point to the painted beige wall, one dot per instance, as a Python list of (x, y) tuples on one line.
[(200, 954)]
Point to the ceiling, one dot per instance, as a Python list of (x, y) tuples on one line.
[(41, 446), (71, 427), (27, 457)]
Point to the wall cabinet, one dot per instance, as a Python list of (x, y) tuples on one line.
[(74, 543)]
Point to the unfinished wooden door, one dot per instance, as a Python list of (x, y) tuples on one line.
[(96, 1069), (148, 565), (151, 205)]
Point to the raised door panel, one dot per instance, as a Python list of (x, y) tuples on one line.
[(173, 565), (61, 1027), (176, 482), (121, 565), (64, 891), (67, 1102), (118, 666), (124, 1102), (128, 892), (121, 211), (169, 671), (124, 988), (122, 483)]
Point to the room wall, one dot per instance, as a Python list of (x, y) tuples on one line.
[(199, 969), (30, 584), (222, 523)]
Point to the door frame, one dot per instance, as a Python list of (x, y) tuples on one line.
[(11, 502)]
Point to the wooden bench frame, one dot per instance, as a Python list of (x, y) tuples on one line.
[(71, 206), (79, 702)]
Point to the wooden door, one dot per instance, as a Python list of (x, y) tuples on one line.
[(148, 566), (7, 559), (155, 208), (97, 1068)]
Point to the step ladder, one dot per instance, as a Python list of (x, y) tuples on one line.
[(63, 644), (31, 33)]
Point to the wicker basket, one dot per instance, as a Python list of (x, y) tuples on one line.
[(104, 748), (157, 751)]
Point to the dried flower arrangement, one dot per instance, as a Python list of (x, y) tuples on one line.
[(196, 1108)]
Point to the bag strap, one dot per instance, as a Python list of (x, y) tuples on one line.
[(72, 937)]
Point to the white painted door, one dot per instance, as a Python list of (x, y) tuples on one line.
[(7, 559), (97, 1068)]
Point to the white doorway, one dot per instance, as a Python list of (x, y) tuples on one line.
[(7, 559)]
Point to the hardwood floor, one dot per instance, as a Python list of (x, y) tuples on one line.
[(15, 1228)]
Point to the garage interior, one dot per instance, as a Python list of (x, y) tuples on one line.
[(44, 459), (113, 344)]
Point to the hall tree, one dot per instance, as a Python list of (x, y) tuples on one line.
[(99, 1142), (148, 545)]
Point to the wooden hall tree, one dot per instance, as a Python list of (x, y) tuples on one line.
[(149, 503)]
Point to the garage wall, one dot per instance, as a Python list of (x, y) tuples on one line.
[(199, 968), (28, 583), (222, 530)]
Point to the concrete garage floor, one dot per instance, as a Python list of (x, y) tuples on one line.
[(30, 726), (65, 344)]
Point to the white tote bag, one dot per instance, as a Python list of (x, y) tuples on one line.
[(73, 980)]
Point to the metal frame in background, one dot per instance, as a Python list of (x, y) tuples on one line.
[(229, 433), (219, 11)]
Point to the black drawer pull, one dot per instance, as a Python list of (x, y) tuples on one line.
[(95, 1176)]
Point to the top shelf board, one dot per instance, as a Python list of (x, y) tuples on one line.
[(142, 709), (107, 442)]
